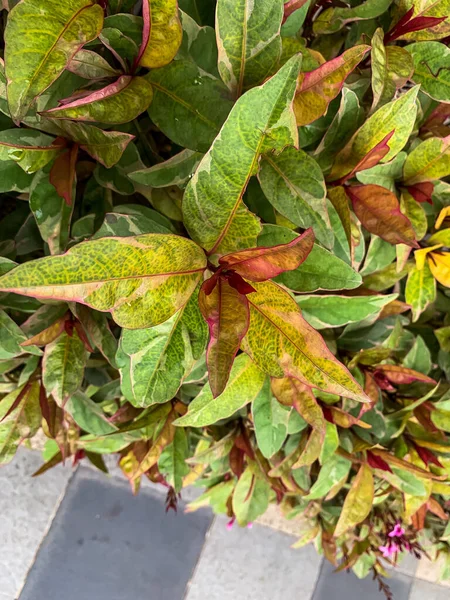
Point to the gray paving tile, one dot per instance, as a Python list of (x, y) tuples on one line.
[(423, 590), (27, 507), (346, 586), (106, 544), (259, 563)]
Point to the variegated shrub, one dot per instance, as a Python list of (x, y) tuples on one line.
[(225, 257)]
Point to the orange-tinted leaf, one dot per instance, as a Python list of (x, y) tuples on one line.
[(292, 392), (316, 89), (260, 264), (378, 210), (62, 174), (372, 158), (227, 313), (402, 375), (47, 335)]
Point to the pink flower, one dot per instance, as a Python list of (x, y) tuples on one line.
[(389, 550), (249, 525), (230, 524), (398, 531)]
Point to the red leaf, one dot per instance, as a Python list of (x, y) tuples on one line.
[(145, 32), (401, 375), (239, 284), (427, 456), (376, 462), (437, 120), (236, 460), (383, 382), (260, 264), (62, 174), (372, 158), (16, 402), (379, 211), (291, 6), (83, 337), (243, 443), (227, 313), (407, 25), (421, 192)]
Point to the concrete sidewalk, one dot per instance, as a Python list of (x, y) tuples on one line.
[(80, 535)]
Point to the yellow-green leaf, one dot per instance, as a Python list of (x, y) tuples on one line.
[(427, 8), (398, 116), (142, 280), (164, 35), (29, 148), (282, 344), (429, 160), (245, 383), (431, 68), (40, 40), (261, 120), (358, 503), (250, 497)]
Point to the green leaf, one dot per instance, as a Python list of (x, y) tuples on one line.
[(88, 415), (358, 502), (249, 42), (270, 419), (188, 106), (154, 362), (116, 224), (51, 212), (22, 422), (398, 116), (420, 289), (119, 102), (419, 357), (261, 120), (164, 268), (40, 39), (97, 329), (250, 497), (30, 149), (330, 444), (90, 65), (11, 339), (443, 336), (172, 462), (199, 45), (332, 472), (431, 69), (164, 33), (13, 178), (320, 271), (335, 311), (293, 183), (63, 366), (296, 349), (175, 171), (245, 383), (105, 146), (384, 175), (333, 19), (429, 160), (391, 68)]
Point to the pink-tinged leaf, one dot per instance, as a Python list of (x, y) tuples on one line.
[(62, 174), (261, 264), (226, 312), (162, 33), (371, 159), (376, 462), (145, 31), (401, 375), (118, 102), (316, 89), (379, 211), (422, 192), (291, 6), (407, 25)]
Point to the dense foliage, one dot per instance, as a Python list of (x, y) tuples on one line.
[(225, 256)]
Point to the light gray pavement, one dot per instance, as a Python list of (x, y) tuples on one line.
[(83, 536)]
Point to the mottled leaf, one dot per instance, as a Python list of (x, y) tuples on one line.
[(90, 65), (162, 33), (296, 349), (333, 19), (175, 171), (429, 160), (332, 472), (30, 149), (358, 502), (11, 339), (41, 39), (163, 270), (213, 211), (172, 463), (436, 9)]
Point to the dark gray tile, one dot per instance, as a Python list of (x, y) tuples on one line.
[(346, 586), (105, 544)]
